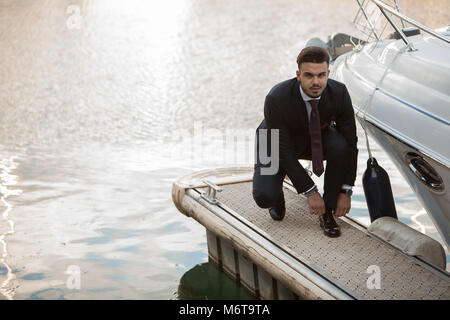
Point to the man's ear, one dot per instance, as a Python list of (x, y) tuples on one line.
[(298, 75)]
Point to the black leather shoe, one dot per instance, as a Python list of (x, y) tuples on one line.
[(277, 212), (329, 226)]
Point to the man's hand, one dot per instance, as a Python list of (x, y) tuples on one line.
[(343, 205), (316, 204)]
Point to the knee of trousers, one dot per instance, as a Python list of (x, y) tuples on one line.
[(264, 200), (338, 147)]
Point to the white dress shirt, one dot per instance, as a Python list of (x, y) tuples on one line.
[(307, 98)]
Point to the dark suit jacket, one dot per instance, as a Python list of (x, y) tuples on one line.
[(284, 109)]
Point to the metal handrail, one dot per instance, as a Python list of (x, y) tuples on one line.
[(420, 26), (397, 6), (374, 30), (399, 31)]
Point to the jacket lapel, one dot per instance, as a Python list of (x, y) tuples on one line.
[(299, 106), (323, 105)]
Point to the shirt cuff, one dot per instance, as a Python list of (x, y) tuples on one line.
[(310, 189), (346, 187)]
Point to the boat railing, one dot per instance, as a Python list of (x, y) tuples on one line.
[(372, 10)]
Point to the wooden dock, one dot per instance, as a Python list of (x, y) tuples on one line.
[(292, 258)]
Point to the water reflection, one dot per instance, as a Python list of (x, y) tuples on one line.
[(206, 282), (7, 179)]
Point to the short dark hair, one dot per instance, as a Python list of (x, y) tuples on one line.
[(313, 54)]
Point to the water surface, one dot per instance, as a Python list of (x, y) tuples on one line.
[(104, 103)]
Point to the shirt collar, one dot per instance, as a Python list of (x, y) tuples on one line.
[(305, 96)]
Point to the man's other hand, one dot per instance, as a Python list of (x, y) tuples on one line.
[(316, 204), (343, 205)]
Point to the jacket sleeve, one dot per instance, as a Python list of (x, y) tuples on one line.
[(288, 160), (345, 123)]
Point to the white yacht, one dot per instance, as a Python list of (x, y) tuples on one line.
[(400, 89)]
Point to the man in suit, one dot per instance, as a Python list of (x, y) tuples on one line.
[(308, 117)]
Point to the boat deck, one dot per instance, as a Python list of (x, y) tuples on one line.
[(292, 258), (345, 260)]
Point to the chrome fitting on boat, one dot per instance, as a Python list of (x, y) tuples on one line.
[(210, 193)]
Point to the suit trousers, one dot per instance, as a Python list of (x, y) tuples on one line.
[(267, 188)]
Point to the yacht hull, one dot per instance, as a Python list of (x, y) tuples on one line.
[(436, 202), (402, 98)]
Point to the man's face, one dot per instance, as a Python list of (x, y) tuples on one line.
[(313, 78)]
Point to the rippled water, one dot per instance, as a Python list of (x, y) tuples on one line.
[(104, 103)]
